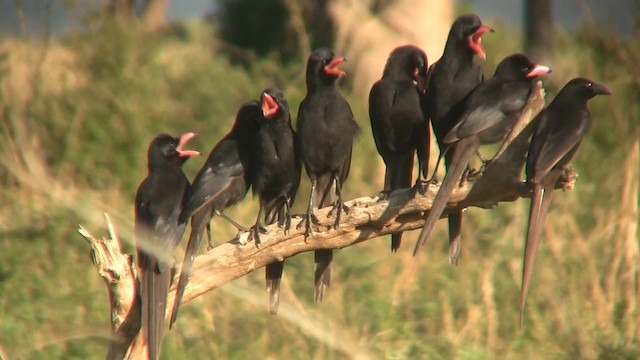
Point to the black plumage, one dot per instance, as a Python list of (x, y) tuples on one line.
[(222, 182), (399, 127), (326, 129), (275, 176), (560, 130), (451, 79), (158, 204), (489, 113)]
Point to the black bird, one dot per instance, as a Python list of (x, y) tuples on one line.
[(560, 130), (159, 201), (451, 79), (326, 129), (222, 182), (490, 112), (398, 124), (275, 176)]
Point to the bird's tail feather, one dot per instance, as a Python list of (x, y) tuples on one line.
[(325, 196), (540, 201), (461, 157), (275, 212), (273, 275), (155, 287), (198, 223), (455, 237), (400, 173)]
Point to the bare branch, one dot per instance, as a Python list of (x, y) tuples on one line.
[(119, 274)]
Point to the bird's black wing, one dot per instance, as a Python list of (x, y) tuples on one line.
[(556, 143), (490, 104), (221, 169), (380, 107)]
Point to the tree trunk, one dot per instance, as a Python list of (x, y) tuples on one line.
[(153, 14), (538, 28)]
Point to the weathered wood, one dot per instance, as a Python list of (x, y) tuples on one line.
[(119, 275)]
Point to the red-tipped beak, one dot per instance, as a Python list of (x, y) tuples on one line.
[(420, 81), (332, 67), (269, 106), (475, 41), (184, 139), (538, 70)]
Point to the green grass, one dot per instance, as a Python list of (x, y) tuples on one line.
[(74, 146)]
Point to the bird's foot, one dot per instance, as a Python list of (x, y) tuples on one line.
[(285, 223), (433, 181), (254, 233), (472, 175), (420, 187), (339, 208), (308, 219), (383, 195)]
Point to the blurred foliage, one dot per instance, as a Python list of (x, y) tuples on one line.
[(74, 146), (272, 28)]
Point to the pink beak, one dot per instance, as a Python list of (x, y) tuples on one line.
[(269, 106), (184, 139), (332, 67), (538, 70), (475, 41)]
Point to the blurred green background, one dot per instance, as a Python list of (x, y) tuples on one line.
[(79, 110)]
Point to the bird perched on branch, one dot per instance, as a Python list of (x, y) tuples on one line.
[(490, 112), (326, 129), (451, 79), (159, 202), (275, 176), (559, 132), (398, 124), (222, 182)]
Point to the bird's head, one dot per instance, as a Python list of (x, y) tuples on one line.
[(411, 62), (586, 88), (168, 148), (519, 67), (468, 30), (323, 65), (273, 102)]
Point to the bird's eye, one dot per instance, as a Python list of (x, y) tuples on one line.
[(525, 69), (172, 145), (589, 85)]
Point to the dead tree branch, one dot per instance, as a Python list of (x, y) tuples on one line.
[(119, 275), (369, 218)]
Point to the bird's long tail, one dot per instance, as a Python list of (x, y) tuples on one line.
[(540, 201), (455, 226), (274, 270), (398, 176), (324, 196), (462, 153), (155, 287), (455, 236), (198, 223)]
